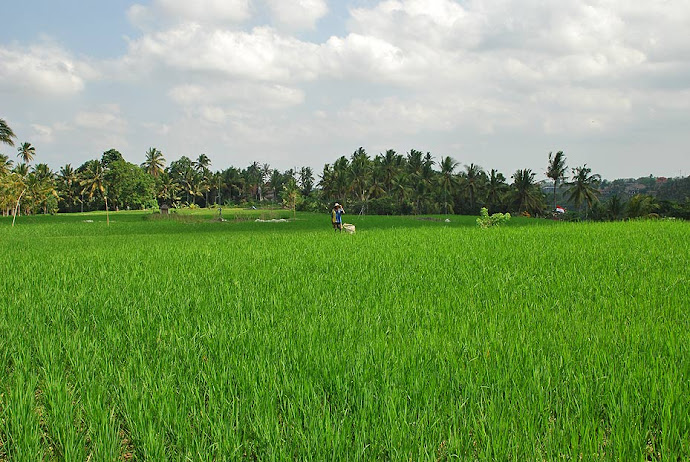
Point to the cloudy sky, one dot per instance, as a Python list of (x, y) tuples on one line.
[(499, 83)]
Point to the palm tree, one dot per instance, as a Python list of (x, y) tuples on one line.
[(614, 207), (447, 182), (306, 180), (641, 205), (496, 188), (556, 171), (583, 188), (360, 174), (168, 188), (5, 165), (67, 180), (26, 152), (21, 169), (473, 179), (202, 163), (154, 162), (527, 197), (94, 183), (6, 133)]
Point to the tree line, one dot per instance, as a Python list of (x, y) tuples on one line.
[(387, 183)]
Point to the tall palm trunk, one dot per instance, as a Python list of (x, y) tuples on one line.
[(17, 209)]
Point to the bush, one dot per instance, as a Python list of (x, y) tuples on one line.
[(485, 221)]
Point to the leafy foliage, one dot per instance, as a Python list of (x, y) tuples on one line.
[(485, 221)]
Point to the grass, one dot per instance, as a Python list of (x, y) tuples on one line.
[(413, 339)]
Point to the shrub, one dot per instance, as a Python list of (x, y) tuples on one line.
[(485, 221)]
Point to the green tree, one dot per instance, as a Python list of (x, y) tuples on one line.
[(614, 208), (129, 186), (642, 205), (26, 152), (5, 165), (447, 182), (306, 180), (556, 171), (93, 183), (154, 163), (472, 183), (496, 189), (167, 188), (67, 184), (6, 133), (526, 195), (110, 156), (583, 188)]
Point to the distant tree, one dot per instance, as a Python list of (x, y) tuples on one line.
[(583, 188), (26, 152), (129, 186), (526, 195), (472, 182), (167, 188), (496, 189), (154, 163), (447, 182), (5, 165), (360, 175), (556, 171), (641, 205), (202, 165), (110, 156), (67, 183), (93, 182), (306, 180), (614, 208), (6, 133)]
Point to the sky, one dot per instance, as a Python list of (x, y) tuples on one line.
[(292, 83)]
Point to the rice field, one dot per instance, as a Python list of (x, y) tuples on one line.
[(192, 339)]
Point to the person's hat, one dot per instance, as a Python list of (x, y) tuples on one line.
[(336, 204)]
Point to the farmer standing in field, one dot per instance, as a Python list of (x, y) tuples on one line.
[(336, 217)]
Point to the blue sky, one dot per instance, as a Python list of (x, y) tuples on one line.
[(498, 83)]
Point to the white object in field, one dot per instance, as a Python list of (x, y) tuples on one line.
[(350, 228), (447, 220)]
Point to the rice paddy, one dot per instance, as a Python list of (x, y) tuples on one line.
[(193, 339)]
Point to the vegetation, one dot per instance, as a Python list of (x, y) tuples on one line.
[(386, 184), (411, 340)]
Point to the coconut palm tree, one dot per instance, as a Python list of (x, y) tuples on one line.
[(168, 188), (6, 133), (154, 163), (93, 183), (5, 165), (67, 182), (26, 152), (556, 171), (473, 179), (496, 189), (526, 195), (583, 188), (306, 180), (447, 182)]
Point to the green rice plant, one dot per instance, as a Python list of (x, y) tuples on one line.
[(412, 339)]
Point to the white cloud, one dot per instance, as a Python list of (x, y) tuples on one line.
[(107, 118), (297, 14), (185, 11), (261, 54), (43, 69), (248, 94), (47, 134)]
